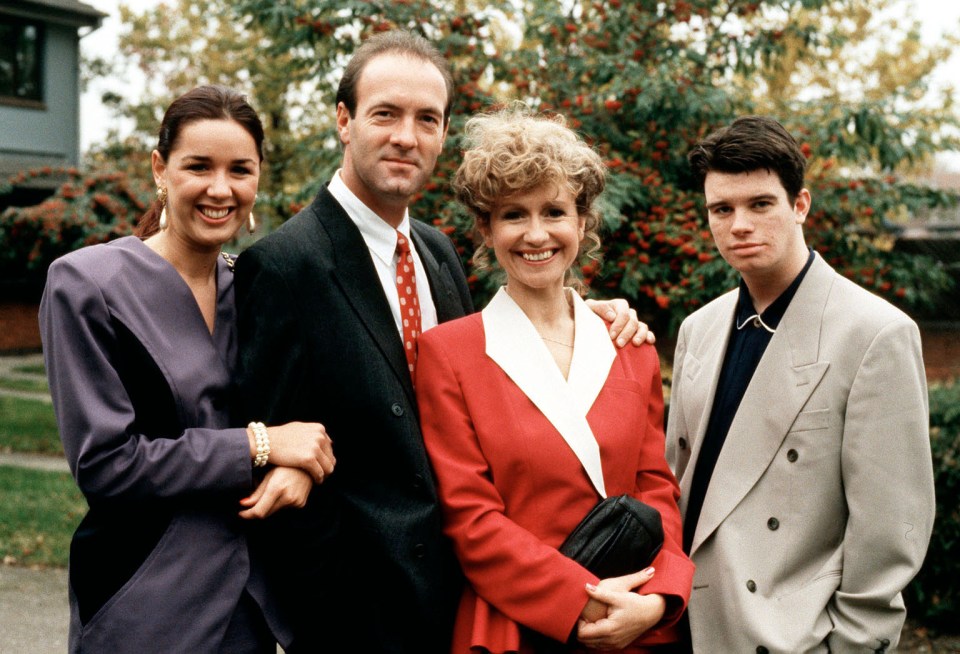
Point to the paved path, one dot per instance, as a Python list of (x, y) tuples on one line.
[(10, 361), (48, 462), (8, 370), (33, 611)]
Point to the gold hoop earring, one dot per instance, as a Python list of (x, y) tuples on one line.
[(162, 198)]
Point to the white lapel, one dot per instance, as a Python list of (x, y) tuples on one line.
[(593, 354), (513, 343)]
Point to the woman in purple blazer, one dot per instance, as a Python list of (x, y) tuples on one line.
[(140, 343)]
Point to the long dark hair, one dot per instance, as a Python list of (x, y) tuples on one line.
[(202, 103)]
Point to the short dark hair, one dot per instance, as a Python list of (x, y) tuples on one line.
[(201, 103), (399, 42), (751, 143)]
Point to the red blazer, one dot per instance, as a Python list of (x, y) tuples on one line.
[(512, 489)]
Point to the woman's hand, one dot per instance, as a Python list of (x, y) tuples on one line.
[(303, 445), (615, 616), (596, 609), (280, 488)]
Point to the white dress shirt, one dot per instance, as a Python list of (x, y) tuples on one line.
[(381, 240)]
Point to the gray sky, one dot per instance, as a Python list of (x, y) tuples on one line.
[(936, 16)]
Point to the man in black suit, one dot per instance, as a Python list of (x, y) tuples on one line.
[(365, 566)]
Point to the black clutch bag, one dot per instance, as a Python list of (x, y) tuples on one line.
[(620, 535)]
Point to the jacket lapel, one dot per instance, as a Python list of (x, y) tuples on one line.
[(442, 287), (701, 373), (154, 282), (593, 355), (513, 344), (785, 378), (357, 278)]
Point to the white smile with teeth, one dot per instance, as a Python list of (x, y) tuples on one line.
[(216, 214), (540, 256)]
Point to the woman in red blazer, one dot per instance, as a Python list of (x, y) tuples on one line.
[(531, 416)]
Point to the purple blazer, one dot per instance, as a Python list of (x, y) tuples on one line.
[(139, 389)]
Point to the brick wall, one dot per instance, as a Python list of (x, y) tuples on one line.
[(941, 350), (19, 329)]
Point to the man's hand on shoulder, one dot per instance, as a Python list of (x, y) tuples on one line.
[(625, 327)]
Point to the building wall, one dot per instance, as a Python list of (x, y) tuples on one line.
[(31, 138)]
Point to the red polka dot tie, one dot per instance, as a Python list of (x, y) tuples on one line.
[(409, 304)]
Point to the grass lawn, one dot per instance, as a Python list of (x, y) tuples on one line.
[(24, 384), (28, 426), (29, 369), (38, 514)]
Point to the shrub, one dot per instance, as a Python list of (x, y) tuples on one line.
[(933, 597), (643, 81), (84, 210)]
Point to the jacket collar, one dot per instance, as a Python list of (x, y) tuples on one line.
[(513, 343), (442, 286), (380, 237), (773, 314)]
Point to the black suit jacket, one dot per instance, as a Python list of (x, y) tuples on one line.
[(365, 566)]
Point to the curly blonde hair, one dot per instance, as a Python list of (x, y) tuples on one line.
[(513, 150)]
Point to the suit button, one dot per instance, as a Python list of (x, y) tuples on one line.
[(419, 550), (397, 409), (762, 650), (792, 455), (418, 482), (773, 523), (752, 586), (682, 443)]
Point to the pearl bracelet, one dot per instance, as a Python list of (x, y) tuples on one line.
[(263, 443)]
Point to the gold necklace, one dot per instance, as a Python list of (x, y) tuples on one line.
[(557, 342)]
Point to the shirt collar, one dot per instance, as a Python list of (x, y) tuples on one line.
[(770, 318), (379, 236)]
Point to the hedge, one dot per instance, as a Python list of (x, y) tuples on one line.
[(933, 598)]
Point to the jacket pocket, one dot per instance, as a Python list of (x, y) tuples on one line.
[(821, 587), (141, 573), (109, 550), (811, 420)]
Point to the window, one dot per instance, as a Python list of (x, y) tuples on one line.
[(21, 45)]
